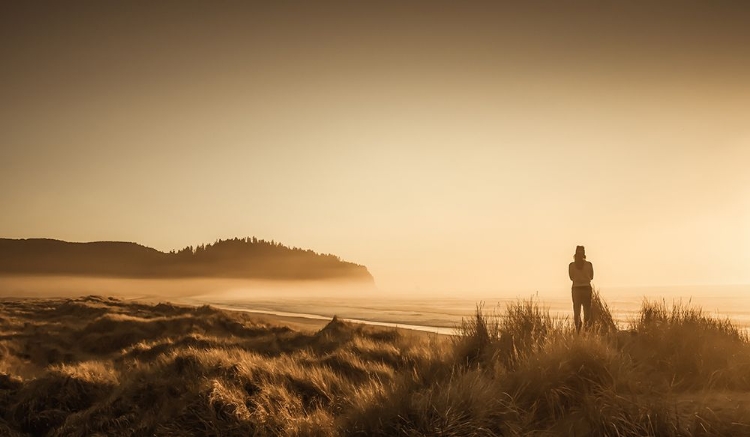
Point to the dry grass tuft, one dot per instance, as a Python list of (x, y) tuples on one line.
[(690, 348)]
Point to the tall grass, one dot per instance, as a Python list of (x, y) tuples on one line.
[(690, 347), (504, 336), (134, 369), (602, 320)]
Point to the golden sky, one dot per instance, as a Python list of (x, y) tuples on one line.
[(445, 145)]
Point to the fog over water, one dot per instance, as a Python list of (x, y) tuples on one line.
[(420, 308)]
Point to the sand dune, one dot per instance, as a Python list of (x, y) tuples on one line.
[(99, 365)]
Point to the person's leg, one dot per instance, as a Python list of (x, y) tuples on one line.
[(585, 300), (576, 309)]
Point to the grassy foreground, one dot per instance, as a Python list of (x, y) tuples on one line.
[(103, 366)]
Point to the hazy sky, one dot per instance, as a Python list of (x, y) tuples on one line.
[(445, 145)]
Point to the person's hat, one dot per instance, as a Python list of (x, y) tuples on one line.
[(581, 250)]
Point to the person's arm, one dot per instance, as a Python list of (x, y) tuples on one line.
[(570, 271), (592, 270)]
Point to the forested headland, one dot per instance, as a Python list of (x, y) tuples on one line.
[(250, 258)]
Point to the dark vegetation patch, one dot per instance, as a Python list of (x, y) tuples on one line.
[(103, 366)]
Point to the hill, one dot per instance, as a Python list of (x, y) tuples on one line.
[(235, 258)]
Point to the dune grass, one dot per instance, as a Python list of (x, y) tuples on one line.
[(102, 366)]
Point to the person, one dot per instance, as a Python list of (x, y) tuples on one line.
[(581, 272)]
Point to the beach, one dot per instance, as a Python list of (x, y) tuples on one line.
[(306, 304)]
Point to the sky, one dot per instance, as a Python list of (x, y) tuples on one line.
[(447, 146)]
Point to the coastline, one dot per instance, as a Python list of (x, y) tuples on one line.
[(297, 321), (312, 308), (315, 320)]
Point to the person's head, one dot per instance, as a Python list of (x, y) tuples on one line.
[(580, 254)]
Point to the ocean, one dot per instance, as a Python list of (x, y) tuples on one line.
[(423, 310), (442, 312)]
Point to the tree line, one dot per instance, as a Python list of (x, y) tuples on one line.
[(248, 257)]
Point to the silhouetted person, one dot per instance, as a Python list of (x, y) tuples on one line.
[(581, 272)]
